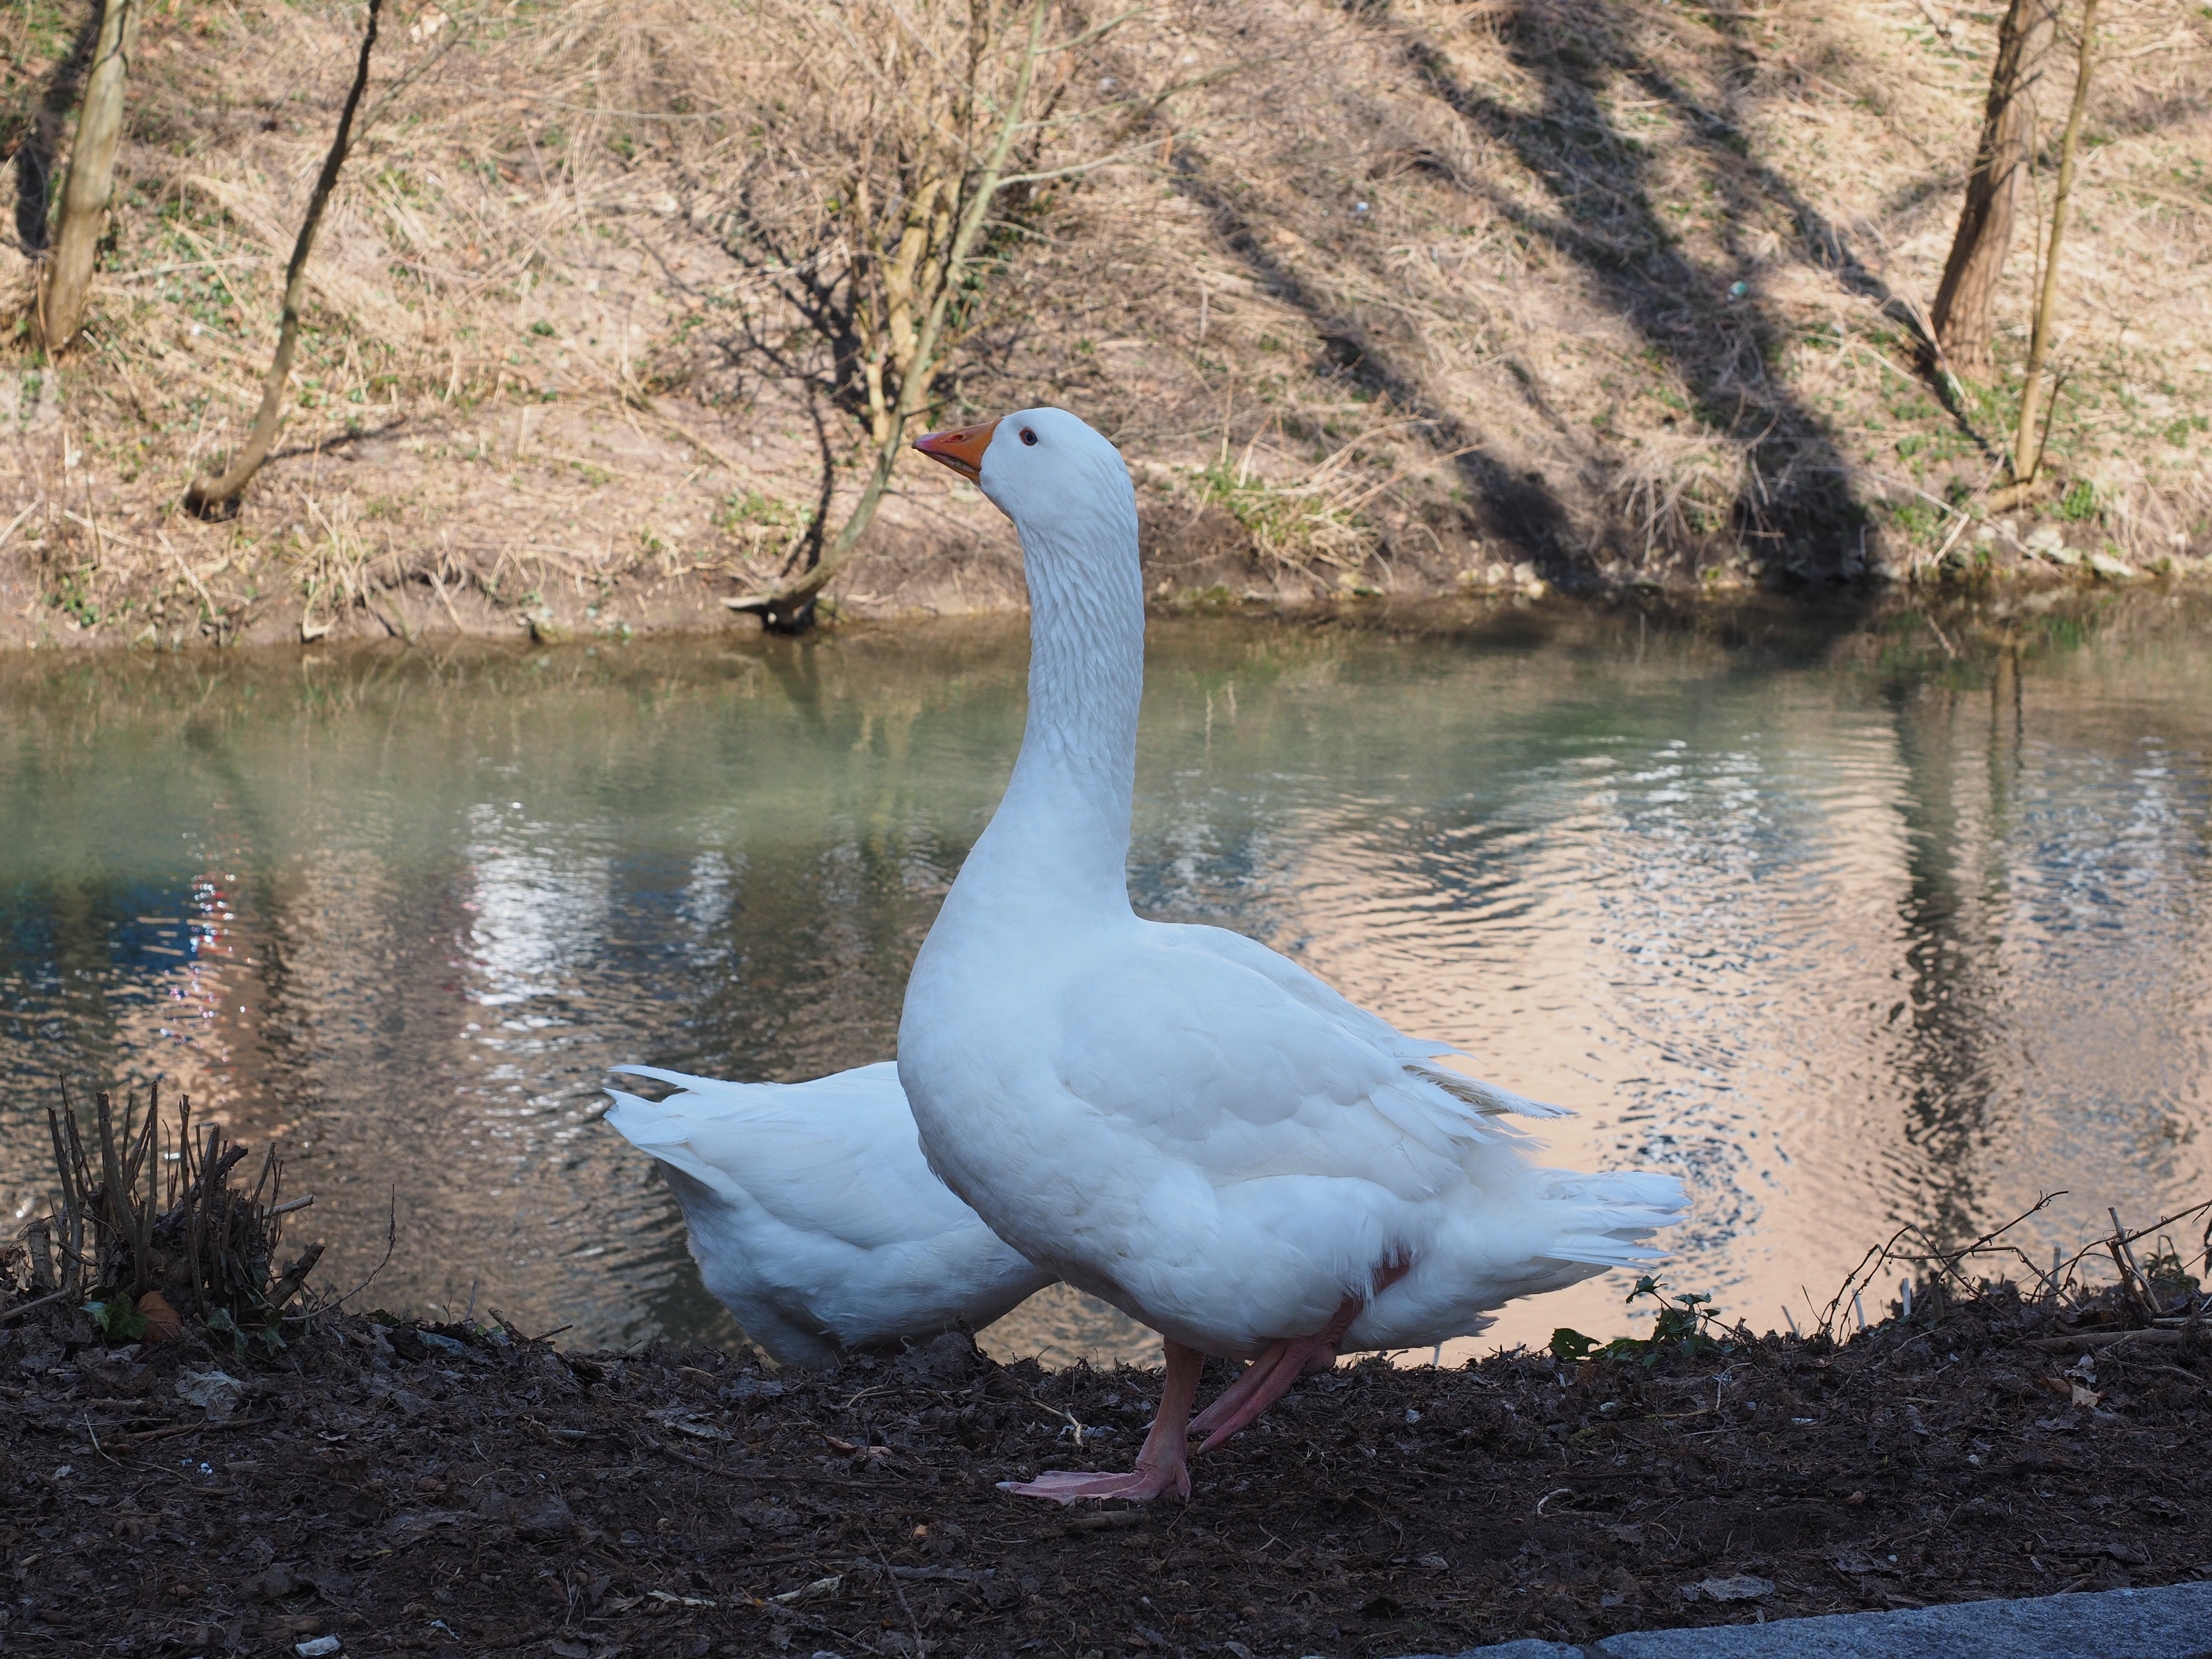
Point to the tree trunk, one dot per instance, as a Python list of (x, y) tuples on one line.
[(34, 157), (2027, 443), (209, 496), (91, 176), (1963, 301)]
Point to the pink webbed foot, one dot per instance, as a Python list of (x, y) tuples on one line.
[(1139, 1485), (1293, 1362), (1318, 1356), (1162, 1466)]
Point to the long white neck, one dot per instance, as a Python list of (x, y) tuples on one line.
[(1061, 838)]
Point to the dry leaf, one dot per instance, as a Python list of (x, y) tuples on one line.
[(163, 1324), (685, 1422), (702, 1431), (405, 1528), (1743, 1587), (2088, 1397), (218, 1391)]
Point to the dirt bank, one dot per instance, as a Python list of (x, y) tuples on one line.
[(543, 522), (1407, 298), (452, 1489), (417, 535)]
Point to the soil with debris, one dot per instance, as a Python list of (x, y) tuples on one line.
[(446, 1488)]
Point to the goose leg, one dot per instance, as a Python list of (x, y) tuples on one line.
[(1292, 1359), (1161, 1466), (1254, 1377), (1268, 1378)]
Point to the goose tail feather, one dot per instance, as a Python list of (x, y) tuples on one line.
[(1484, 1097), (1610, 1217)]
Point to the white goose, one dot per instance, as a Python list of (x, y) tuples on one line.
[(813, 1218), (1176, 1118)]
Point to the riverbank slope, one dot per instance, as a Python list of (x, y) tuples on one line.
[(1408, 300)]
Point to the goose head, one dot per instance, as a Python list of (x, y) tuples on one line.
[(1064, 486)]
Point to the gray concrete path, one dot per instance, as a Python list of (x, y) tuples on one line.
[(2171, 1623)]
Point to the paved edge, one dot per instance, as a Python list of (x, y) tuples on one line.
[(2171, 1622)]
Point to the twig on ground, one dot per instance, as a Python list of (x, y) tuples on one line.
[(391, 1243)]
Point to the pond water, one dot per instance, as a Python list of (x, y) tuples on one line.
[(1851, 928)]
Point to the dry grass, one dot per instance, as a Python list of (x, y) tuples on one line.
[(1622, 291)]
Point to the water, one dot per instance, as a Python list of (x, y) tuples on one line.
[(1847, 930)]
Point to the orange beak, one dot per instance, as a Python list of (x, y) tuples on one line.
[(962, 451)]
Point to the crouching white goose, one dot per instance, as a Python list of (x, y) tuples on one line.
[(813, 1218), (1176, 1118)]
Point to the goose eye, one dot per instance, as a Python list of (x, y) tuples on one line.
[(1029, 435)]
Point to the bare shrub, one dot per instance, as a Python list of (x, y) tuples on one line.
[(907, 150), (154, 1238)]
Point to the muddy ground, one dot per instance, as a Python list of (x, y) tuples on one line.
[(450, 1490)]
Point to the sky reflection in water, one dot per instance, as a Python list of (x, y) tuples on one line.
[(1847, 930)]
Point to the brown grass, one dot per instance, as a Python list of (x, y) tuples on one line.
[(1417, 294)]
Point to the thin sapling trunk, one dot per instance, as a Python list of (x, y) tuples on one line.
[(209, 497), (1967, 292), (789, 606), (91, 177), (2027, 442)]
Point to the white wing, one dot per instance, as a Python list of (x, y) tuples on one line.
[(1325, 1002), (1249, 1067), (1225, 1147)]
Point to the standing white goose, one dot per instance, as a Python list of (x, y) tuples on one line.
[(1176, 1118), (813, 1218)]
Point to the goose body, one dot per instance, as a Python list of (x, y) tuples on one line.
[(813, 1217), (1176, 1118)]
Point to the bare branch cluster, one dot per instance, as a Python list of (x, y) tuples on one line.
[(152, 1224), (1948, 1270), (904, 153)]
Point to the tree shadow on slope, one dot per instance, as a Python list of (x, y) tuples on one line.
[(1520, 508), (1713, 327), (1719, 341)]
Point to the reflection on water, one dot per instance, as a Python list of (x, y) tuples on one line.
[(1846, 930)]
